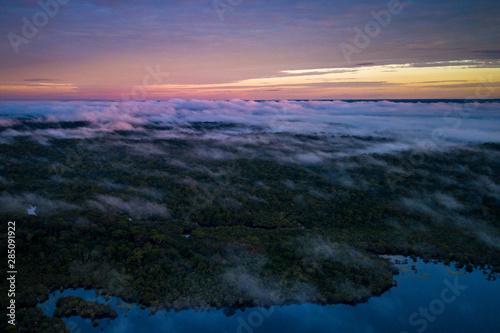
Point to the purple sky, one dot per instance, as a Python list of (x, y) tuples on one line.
[(249, 49)]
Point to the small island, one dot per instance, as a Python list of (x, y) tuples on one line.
[(68, 306)]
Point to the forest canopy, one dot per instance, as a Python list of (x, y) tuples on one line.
[(174, 213)]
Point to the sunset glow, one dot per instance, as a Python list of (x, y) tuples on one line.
[(256, 50)]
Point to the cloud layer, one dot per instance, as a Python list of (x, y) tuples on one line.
[(401, 125)]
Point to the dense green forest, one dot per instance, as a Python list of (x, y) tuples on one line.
[(159, 223)]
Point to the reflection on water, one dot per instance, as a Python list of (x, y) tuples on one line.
[(428, 297)]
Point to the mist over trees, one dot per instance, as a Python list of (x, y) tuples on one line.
[(279, 208)]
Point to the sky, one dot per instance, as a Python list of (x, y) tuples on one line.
[(249, 49)]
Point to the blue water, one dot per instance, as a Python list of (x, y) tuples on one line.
[(435, 298)]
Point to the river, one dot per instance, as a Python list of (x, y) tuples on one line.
[(431, 297)]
